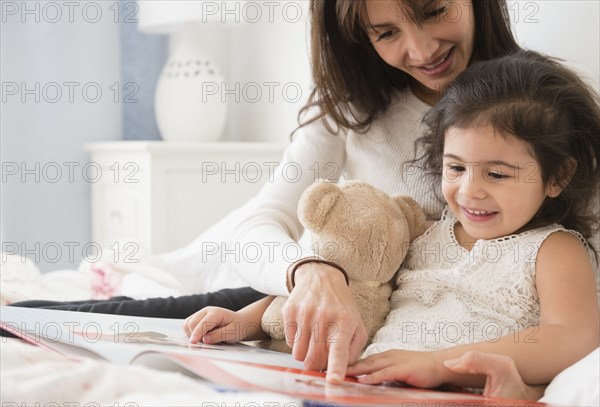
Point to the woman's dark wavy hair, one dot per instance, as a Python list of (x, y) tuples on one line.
[(352, 83), (538, 100)]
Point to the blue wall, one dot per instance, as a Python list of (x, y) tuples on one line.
[(142, 58)]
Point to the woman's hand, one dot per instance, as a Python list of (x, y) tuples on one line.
[(419, 369), (323, 326), (502, 377)]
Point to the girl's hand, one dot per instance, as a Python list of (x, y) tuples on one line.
[(323, 326), (425, 369), (214, 325), (419, 369), (502, 377)]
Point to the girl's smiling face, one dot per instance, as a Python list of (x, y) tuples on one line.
[(433, 53), (491, 182)]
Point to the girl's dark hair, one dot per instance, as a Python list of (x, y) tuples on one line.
[(536, 99), (352, 83)]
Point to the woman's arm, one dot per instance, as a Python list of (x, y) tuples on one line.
[(321, 299), (568, 329), (265, 240)]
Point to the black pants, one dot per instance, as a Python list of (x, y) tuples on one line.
[(170, 307)]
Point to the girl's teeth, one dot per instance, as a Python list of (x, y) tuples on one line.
[(478, 212)]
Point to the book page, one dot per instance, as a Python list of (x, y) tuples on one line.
[(312, 386), (120, 338)]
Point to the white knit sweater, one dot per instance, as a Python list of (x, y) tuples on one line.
[(267, 230)]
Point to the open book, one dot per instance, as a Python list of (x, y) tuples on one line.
[(161, 344)]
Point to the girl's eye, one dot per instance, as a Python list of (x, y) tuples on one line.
[(456, 167), (496, 175), (453, 172)]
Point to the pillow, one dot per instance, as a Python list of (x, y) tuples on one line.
[(578, 384)]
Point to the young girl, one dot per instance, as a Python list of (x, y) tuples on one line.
[(515, 144)]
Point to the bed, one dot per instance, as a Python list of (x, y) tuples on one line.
[(31, 375)]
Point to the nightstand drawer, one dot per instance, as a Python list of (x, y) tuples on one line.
[(120, 209)]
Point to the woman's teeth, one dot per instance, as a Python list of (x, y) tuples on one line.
[(439, 63)]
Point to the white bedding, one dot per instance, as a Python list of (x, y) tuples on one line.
[(21, 280), (31, 375)]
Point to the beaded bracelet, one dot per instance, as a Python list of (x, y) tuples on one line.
[(316, 260)]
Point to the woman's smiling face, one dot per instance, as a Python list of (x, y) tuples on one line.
[(433, 53)]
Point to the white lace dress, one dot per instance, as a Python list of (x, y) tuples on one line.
[(448, 295)]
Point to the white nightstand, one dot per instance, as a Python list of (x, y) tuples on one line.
[(162, 195)]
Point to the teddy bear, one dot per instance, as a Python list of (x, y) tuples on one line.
[(367, 233)]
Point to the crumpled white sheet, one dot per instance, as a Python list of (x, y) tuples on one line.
[(31, 375), (21, 280)]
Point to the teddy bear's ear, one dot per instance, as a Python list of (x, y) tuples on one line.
[(415, 216), (315, 204)]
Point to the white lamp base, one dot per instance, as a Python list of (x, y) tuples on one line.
[(188, 103)]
